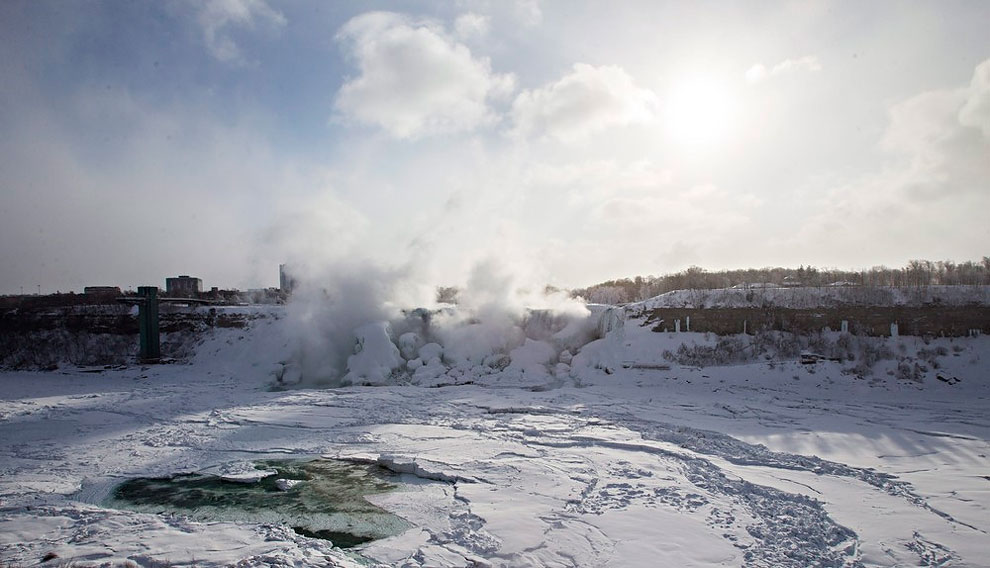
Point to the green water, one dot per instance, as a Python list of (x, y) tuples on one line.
[(327, 503)]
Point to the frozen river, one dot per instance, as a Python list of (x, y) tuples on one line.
[(747, 465)]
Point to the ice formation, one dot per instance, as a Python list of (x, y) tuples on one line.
[(423, 346)]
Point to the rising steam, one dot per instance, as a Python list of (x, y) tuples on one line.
[(358, 323)]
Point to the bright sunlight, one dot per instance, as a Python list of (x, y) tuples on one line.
[(700, 112)]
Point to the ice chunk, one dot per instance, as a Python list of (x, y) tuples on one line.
[(375, 356), (242, 472), (286, 484), (468, 345), (596, 355), (532, 357), (429, 372), (409, 344), (430, 351), (498, 361)]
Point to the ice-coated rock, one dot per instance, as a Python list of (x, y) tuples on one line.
[(430, 371), (409, 344), (532, 357), (375, 356), (430, 351), (498, 361)]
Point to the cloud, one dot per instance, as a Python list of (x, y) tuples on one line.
[(218, 17), (414, 79), (943, 137), (759, 72), (471, 25), (933, 190), (667, 227), (704, 209), (588, 100), (528, 12), (975, 111), (586, 182), (88, 178)]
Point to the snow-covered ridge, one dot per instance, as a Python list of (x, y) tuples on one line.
[(823, 297)]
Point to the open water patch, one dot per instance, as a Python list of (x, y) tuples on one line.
[(320, 498)]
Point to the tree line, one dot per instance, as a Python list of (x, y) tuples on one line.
[(917, 273)]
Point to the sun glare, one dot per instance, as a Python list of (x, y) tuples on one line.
[(699, 113)]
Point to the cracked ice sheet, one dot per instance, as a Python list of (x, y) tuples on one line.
[(570, 506), (665, 537), (887, 525), (944, 475), (91, 536)]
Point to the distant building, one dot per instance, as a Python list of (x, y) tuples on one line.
[(285, 280), (183, 286), (102, 290)]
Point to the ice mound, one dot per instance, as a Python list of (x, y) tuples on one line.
[(375, 356), (532, 357), (241, 472), (451, 346), (352, 328)]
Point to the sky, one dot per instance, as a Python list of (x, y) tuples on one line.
[(571, 141)]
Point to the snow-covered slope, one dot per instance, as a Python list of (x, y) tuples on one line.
[(824, 297)]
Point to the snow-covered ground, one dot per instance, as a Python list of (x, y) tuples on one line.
[(766, 463)]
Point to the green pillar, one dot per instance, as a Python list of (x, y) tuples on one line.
[(148, 324)]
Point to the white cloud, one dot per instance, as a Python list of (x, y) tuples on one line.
[(471, 25), (704, 209), (807, 63), (943, 137), (933, 191), (667, 228), (588, 182), (588, 100), (414, 79), (760, 72), (106, 167), (217, 17), (975, 111), (528, 12)]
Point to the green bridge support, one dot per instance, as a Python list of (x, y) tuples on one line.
[(151, 351)]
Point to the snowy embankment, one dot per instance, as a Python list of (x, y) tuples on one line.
[(820, 297), (637, 462)]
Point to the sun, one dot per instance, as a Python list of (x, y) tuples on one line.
[(700, 112)]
